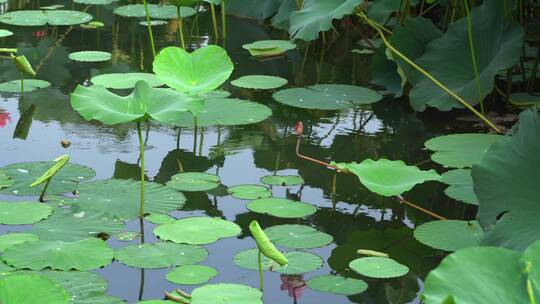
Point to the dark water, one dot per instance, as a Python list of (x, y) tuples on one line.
[(240, 155)]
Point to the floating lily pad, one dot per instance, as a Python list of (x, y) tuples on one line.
[(225, 293), (90, 56), (125, 80), (94, 2), (67, 225), (5, 33), (39, 18), (30, 289), (20, 213), (154, 23), (298, 236), (191, 274), (300, 262), (154, 10), (378, 267), (269, 48), (120, 198), (260, 82), (12, 239), (14, 86), (387, 177), (280, 207), (327, 97), (159, 219), (460, 186), (194, 181), (197, 230), (160, 255), (249, 192), (337, 285), (282, 180), (460, 150), (66, 180), (126, 236), (5, 181), (86, 254), (449, 235)]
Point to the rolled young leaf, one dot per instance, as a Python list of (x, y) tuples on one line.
[(23, 65), (265, 246), (61, 161)]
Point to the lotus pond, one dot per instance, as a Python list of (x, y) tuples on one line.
[(269, 151)]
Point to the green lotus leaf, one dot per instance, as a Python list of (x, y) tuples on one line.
[(6, 269), (159, 219), (461, 186), (449, 235), (524, 100), (5, 33), (484, 270), (260, 82), (90, 56), (160, 255), (30, 85), (282, 180), (387, 177), (497, 42), (200, 71), (30, 289), (72, 225), (11, 239), (280, 207), (127, 236), (514, 230), (154, 10), (94, 2), (125, 80), (66, 180), (460, 150), (20, 213), (269, 48), (337, 285), (300, 262), (225, 293), (194, 181), (191, 274), (249, 192), (5, 181), (153, 23), (381, 10), (163, 105), (86, 254), (51, 7), (40, 18), (378, 267), (298, 236), (317, 16), (100, 299), (120, 198), (197, 230), (327, 97), (226, 112)]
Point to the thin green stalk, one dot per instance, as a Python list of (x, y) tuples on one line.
[(214, 19), (149, 27), (141, 147), (377, 27), (42, 196), (473, 56), (22, 84), (180, 29), (223, 20), (261, 281), (530, 291)]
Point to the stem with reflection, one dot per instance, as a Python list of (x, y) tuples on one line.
[(141, 147), (473, 56), (223, 20), (149, 27), (214, 19), (261, 283), (42, 196), (180, 28), (22, 84)]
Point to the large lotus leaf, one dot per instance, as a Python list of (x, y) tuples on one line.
[(514, 230), (11, 239), (197, 230), (125, 80), (449, 235), (253, 9), (24, 174), (191, 274), (84, 254), (226, 112), (497, 43), (298, 236), (460, 186), (378, 267), (281, 20), (317, 16), (531, 260), (163, 105), (39, 18), (337, 285), (5, 181), (225, 293), (120, 198), (19, 213), (460, 150), (387, 177), (193, 181), (381, 10), (327, 96), (384, 72), (67, 225), (160, 255), (155, 11), (505, 180), (200, 71), (31, 289), (281, 207), (478, 275), (300, 262)]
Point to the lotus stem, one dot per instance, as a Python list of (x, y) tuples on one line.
[(223, 20), (42, 195), (180, 29), (214, 19), (473, 56), (22, 84), (141, 147), (378, 27), (8, 50), (149, 27), (261, 276)]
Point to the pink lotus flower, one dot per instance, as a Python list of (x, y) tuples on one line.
[(5, 118), (294, 284)]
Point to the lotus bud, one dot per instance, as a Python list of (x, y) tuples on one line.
[(23, 65), (265, 246)]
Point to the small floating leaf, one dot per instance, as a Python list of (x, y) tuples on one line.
[(265, 246), (300, 262), (194, 181), (337, 285), (29, 289), (20, 213), (39, 18), (191, 274), (369, 252), (90, 56), (449, 235), (160, 255), (197, 230), (280, 207), (269, 48), (14, 86), (225, 293), (261, 82), (460, 150), (377, 267), (154, 10), (159, 219), (249, 192), (94, 2), (125, 80), (298, 236), (282, 180)]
